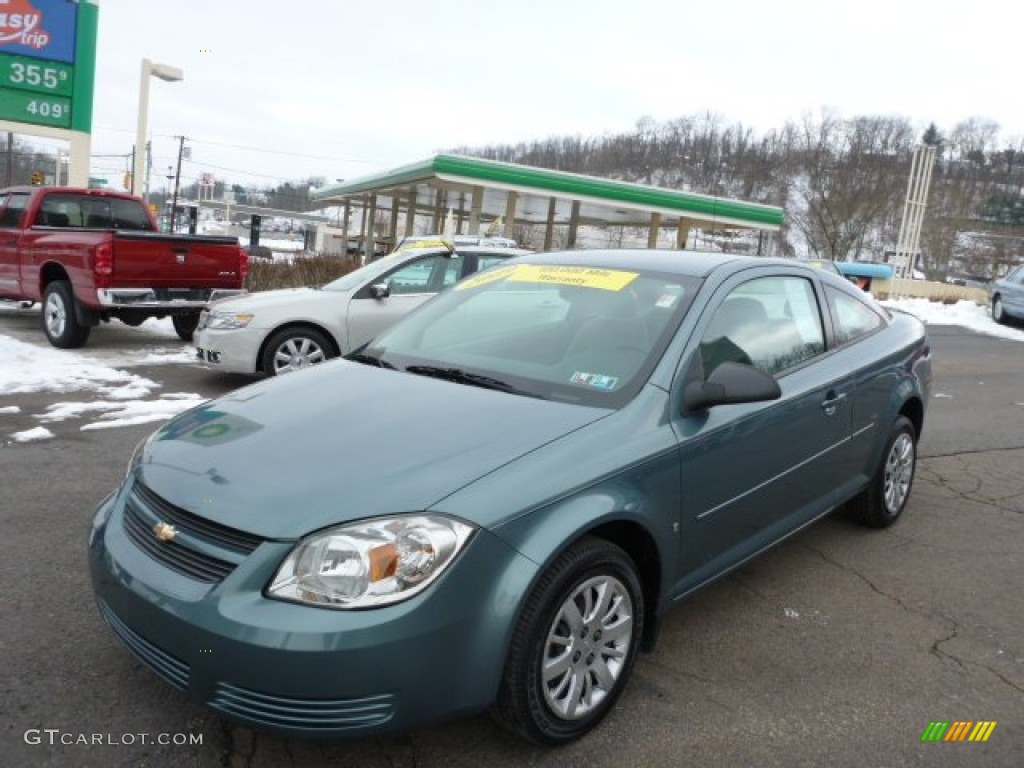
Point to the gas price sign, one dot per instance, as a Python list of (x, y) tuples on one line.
[(35, 90), (47, 58)]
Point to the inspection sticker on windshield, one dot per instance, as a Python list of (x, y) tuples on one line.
[(585, 277), (595, 380)]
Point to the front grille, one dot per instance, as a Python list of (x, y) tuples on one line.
[(173, 670), (220, 549), (311, 714)]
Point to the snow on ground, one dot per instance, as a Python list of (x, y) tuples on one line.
[(31, 435), (110, 395), (966, 314)]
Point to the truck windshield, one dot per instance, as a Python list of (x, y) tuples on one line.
[(71, 210)]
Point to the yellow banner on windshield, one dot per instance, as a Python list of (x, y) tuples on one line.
[(585, 277)]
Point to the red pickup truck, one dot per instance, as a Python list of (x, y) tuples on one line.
[(90, 255)]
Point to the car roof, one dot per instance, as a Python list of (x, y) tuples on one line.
[(468, 248), (687, 263)]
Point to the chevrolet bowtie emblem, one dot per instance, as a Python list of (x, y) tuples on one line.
[(164, 532)]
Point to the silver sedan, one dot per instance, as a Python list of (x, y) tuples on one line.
[(280, 331)]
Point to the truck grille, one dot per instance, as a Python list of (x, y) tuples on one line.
[(200, 549)]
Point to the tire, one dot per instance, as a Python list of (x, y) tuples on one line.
[(294, 349), (998, 313), (60, 323), (185, 325), (594, 660), (882, 503)]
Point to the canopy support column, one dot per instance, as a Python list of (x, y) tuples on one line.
[(410, 215), (682, 233), (549, 230), (574, 223), (369, 214), (393, 224), (476, 208), (652, 233), (510, 214), (439, 201), (346, 215)]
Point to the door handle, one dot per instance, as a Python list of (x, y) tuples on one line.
[(831, 402)]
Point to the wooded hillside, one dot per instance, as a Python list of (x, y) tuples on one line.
[(842, 182)]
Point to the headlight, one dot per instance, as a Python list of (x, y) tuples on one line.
[(228, 321), (369, 563), (136, 458)]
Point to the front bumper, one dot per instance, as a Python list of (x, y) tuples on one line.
[(304, 671), (236, 351)]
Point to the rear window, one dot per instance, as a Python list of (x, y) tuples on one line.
[(69, 210)]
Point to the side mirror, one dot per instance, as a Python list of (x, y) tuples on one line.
[(728, 383), (380, 291)]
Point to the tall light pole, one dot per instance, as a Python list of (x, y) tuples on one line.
[(164, 72)]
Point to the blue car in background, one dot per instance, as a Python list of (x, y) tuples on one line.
[(493, 504)]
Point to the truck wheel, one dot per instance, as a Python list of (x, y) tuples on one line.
[(294, 349), (185, 325), (60, 324), (575, 644)]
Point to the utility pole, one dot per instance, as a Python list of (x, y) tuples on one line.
[(177, 182)]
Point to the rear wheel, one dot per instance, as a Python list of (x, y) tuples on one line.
[(60, 324), (185, 325), (882, 503), (575, 644), (294, 349)]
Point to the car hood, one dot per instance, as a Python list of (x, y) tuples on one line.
[(339, 442), (253, 302)]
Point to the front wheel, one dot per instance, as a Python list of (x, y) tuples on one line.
[(998, 313), (60, 324), (574, 646), (294, 349), (884, 500), (185, 325)]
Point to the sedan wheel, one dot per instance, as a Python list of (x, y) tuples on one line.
[(295, 349), (998, 314), (575, 644)]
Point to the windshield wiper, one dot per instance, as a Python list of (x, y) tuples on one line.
[(460, 376), (362, 357)]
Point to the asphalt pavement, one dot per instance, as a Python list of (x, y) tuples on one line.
[(837, 648)]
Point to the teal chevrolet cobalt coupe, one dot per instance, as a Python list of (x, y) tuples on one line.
[(493, 503)]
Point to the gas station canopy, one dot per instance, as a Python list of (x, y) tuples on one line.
[(476, 193)]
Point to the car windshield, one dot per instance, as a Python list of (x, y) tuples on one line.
[(366, 273), (569, 333)]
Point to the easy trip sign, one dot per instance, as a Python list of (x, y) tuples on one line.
[(38, 47)]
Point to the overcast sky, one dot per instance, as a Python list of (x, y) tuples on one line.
[(354, 87)]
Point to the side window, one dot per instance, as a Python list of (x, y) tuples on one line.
[(853, 318), (771, 323), (416, 277), (14, 210), (486, 262), (452, 272)]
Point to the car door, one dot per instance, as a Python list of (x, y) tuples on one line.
[(409, 285), (750, 473), (1013, 292), (10, 235)]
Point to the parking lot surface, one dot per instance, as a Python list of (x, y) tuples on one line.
[(837, 648)]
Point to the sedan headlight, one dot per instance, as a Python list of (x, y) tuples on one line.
[(369, 563), (228, 321)]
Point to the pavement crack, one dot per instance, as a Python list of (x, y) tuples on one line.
[(874, 587)]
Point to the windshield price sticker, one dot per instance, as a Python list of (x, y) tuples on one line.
[(584, 277)]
